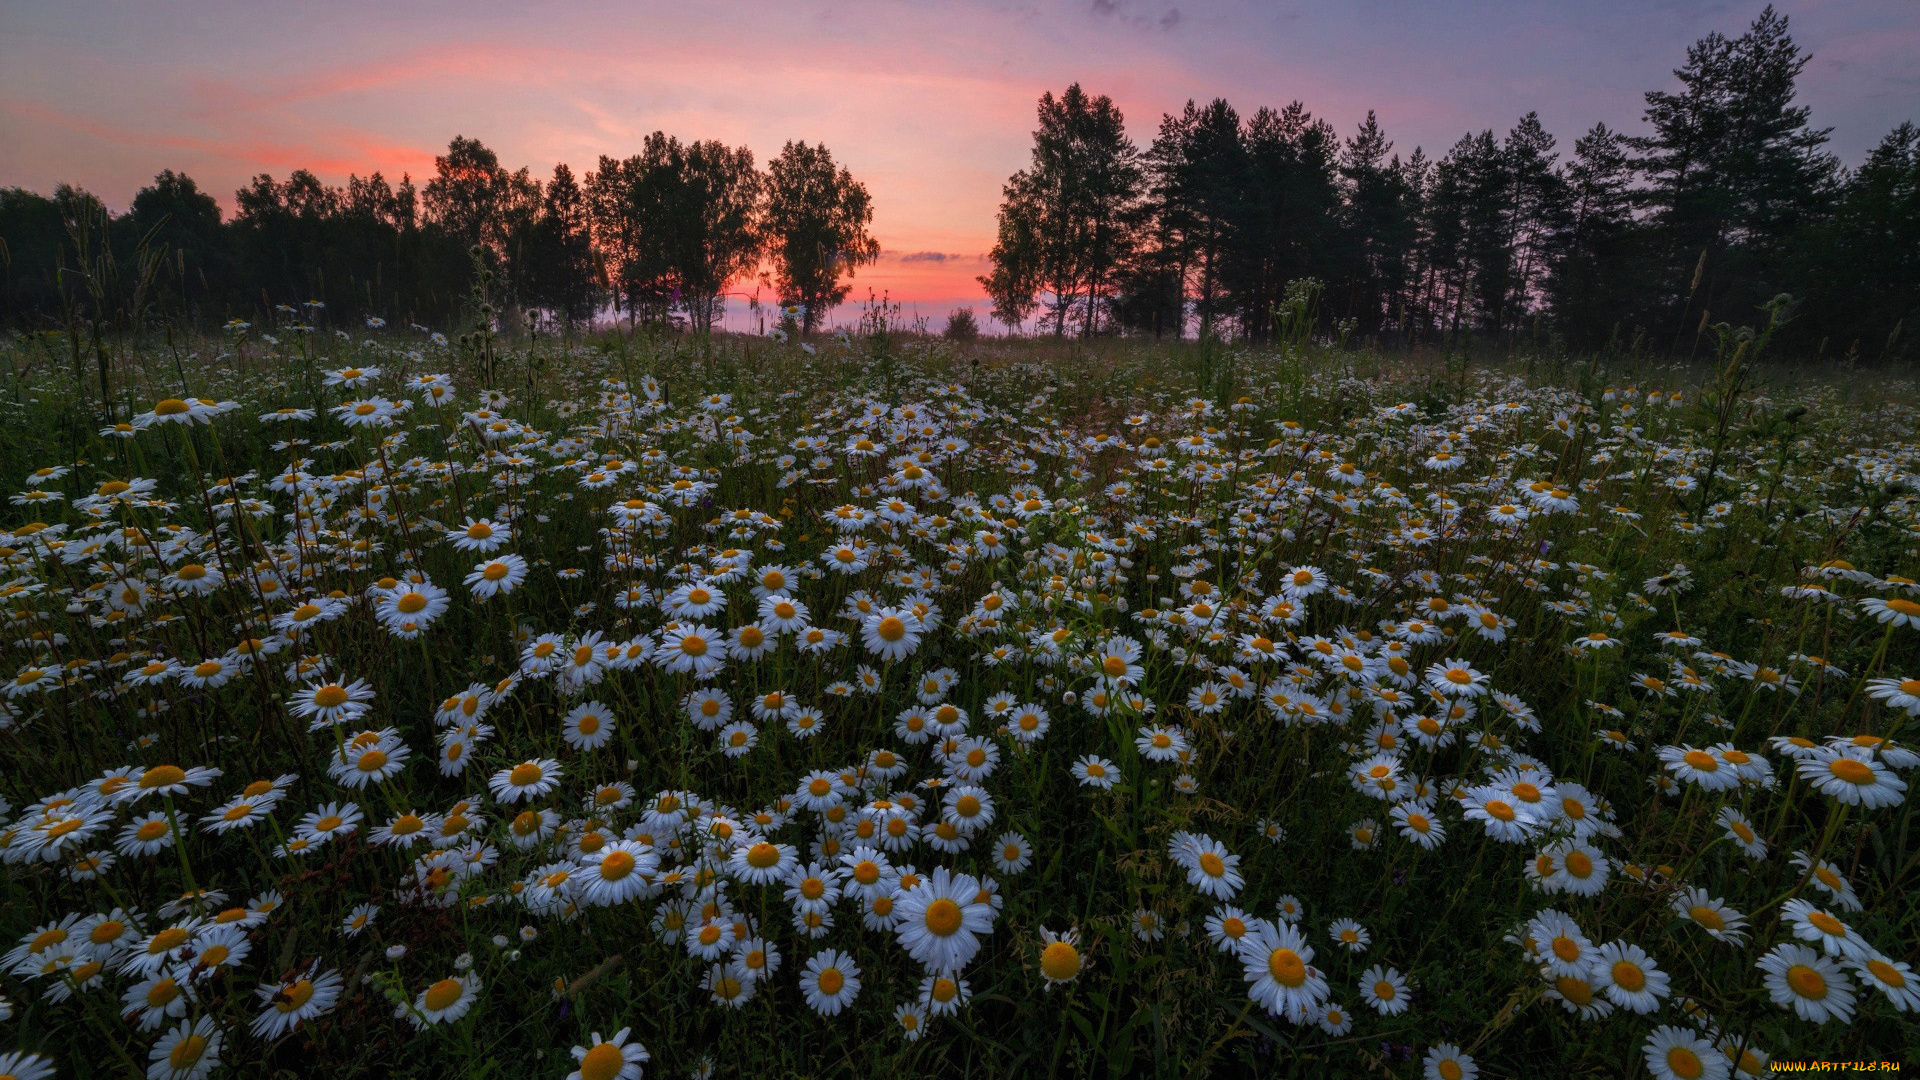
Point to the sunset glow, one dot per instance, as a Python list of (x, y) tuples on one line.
[(930, 105)]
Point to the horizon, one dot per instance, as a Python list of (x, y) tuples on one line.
[(932, 124)]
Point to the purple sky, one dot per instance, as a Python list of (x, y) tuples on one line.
[(930, 103)]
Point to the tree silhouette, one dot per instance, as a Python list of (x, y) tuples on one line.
[(815, 226), (1069, 214)]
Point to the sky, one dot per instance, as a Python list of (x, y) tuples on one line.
[(930, 103)]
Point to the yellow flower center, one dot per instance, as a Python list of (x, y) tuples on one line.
[(943, 917), (1807, 982), (616, 865), (1628, 976), (1827, 924), (1060, 961), (443, 994), (603, 1062), (1851, 771), (1286, 967), (162, 776)]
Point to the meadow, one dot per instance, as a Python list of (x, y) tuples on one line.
[(380, 705)]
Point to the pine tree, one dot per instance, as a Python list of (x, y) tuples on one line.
[(1287, 220), (1539, 208), (1595, 280), (1378, 225), (1733, 168)]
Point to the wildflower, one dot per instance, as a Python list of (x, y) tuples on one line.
[(830, 982), (443, 1002), (1677, 1053), (1807, 982), (189, 1051), (608, 1059), (1277, 967), (1628, 977), (941, 920), (527, 780)]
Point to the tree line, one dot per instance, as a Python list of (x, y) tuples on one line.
[(1728, 199), (1632, 240), (659, 237)]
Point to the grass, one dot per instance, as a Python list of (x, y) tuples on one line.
[(1809, 488)]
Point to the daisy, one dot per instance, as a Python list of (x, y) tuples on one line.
[(1160, 743), (1096, 772), (1505, 818), (1277, 965), (830, 982), (754, 959), (608, 1059), (1456, 678), (1628, 977), (25, 1066), (289, 1003), (1894, 978), (1741, 832), (1810, 984), (738, 738), (1012, 854), (587, 726), (1210, 867), (188, 1052), (891, 634), (1901, 694), (725, 988), (1834, 937), (328, 821), (1677, 1053), (692, 649), (1701, 767), (812, 888), (1060, 958), (1898, 611), (764, 862), (527, 780), (501, 574), (484, 536), (941, 919), (1713, 916), (911, 1019), (147, 834), (1386, 990), (443, 1002), (1852, 776), (159, 998), (1350, 935), (1416, 822), (1334, 1020), (407, 606), (357, 920), (166, 780), (1446, 1061)]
